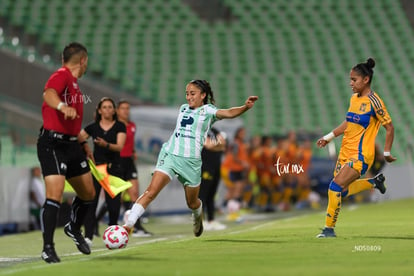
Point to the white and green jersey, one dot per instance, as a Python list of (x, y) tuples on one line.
[(191, 131)]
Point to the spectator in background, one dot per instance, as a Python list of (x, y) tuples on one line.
[(266, 170), (37, 196), (237, 163), (211, 155), (303, 189), (250, 195), (128, 158), (109, 138), (290, 179)]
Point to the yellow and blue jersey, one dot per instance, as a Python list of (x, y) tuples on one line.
[(364, 117)]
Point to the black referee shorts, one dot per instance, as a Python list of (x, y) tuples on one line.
[(129, 169), (60, 157)]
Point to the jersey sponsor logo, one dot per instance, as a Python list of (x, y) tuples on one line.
[(356, 118), (178, 134), (187, 120)]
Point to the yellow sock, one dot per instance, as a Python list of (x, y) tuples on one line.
[(334, 205), (359, 185)]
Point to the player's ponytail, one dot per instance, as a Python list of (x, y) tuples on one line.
[(206, 88), (365, 69)]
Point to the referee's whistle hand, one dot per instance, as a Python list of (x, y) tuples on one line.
[(69, 112)]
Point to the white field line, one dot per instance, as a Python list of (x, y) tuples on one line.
[(170, 239)]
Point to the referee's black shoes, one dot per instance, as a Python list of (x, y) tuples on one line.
[(78, 238), (49, 254)]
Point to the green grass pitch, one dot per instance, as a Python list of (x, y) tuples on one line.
[(374, 239)]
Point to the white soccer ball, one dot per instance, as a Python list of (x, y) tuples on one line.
[(115, 237)]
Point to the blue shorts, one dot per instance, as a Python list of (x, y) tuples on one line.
[(188, 170)]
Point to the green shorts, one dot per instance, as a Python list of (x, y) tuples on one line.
[(188, 170)]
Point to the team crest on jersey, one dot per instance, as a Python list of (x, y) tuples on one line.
[(75, 85), (202, 111), (363, 107)]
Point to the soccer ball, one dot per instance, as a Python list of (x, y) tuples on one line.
[(115, 237)]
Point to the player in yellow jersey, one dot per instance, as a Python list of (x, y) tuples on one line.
[(365, 115)]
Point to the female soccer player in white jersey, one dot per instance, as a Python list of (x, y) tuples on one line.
[(181, 154)]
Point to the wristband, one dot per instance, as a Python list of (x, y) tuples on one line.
[(59, 106), (83, 143), (387, 153), (328, 137), (107, 146)]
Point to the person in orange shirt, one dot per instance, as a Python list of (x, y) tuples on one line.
[(236, 163), (250, 190), (365, 115), (303, 188), (290, 179), (266, 170), (279, 180)]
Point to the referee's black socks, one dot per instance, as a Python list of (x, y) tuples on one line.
[(49, 216), (78, 213)]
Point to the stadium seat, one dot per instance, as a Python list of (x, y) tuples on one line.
[(296, 55)]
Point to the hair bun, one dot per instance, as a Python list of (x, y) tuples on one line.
[(371, 63)]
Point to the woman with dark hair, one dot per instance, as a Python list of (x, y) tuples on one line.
[(109, 138), (365, 115), (211, 155), (236, 161), (130, 173), (181, 154)]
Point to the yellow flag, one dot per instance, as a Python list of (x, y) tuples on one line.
[(112, 185)]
